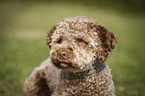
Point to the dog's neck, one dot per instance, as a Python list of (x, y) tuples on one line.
[(97, 67)]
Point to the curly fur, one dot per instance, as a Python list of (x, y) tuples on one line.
[(79, 48)]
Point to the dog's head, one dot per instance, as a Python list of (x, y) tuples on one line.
[(77, 42)]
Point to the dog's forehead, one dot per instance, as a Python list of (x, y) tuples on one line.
[(78, 23), (76, 27)]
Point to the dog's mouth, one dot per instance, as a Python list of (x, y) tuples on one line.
[(62, 58), (62, 64)]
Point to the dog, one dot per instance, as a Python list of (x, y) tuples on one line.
[(76, 66)]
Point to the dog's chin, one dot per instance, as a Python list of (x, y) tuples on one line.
[(66, 67), (62, 65), (72, 70)]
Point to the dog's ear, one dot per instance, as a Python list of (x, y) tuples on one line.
[(49, 34), (107, 42)]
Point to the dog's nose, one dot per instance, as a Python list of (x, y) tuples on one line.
[(64, 54), (63, 58)]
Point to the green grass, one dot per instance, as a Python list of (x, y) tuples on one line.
[(23, 28)]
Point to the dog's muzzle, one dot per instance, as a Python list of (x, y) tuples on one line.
[(62, 58)]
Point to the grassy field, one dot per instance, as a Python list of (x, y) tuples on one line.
[(23, 28)]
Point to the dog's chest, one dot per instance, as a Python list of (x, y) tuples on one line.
[(81, 84)]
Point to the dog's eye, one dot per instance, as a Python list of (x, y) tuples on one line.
[(81, 42), (59, 41)]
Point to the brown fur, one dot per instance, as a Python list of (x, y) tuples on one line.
[(76, 43), (49, 34), (107, 42), (43, 88), (63, 55)]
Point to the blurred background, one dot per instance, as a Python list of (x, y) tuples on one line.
[(23, 27)]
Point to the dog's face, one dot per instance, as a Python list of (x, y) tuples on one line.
[(75, 43)]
